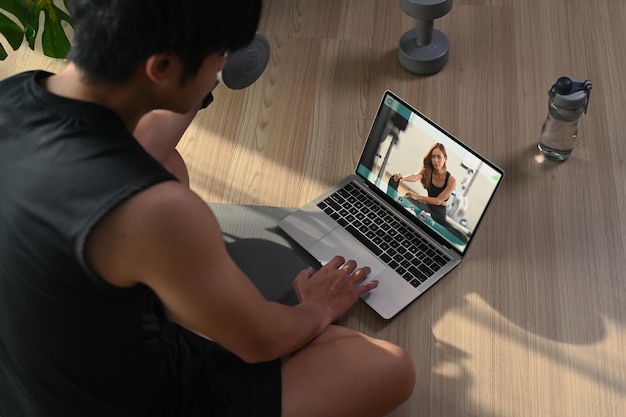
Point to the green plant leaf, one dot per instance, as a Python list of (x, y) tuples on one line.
[(53, 38), (11, 31), (54, 41), (14, 7)]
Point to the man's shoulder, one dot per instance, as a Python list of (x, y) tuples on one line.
[(167, 204), (13, 89), (162, 221), (20, 77), (19, 81)]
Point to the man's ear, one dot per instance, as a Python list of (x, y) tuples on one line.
[(161, 67)]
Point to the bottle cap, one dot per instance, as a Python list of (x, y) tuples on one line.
[(571, 93)]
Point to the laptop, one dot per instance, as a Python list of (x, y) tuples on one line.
[(408, 244)]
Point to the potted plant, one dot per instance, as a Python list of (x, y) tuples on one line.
[(20, 19)]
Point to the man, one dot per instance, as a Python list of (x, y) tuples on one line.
[(117, 295)]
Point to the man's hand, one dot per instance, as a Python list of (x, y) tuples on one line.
[(337, 285)]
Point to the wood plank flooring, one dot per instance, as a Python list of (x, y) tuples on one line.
[(532, 323)]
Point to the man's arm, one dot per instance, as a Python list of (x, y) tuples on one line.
[(167, 238)]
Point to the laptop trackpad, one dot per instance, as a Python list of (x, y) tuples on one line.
[(339, 242)]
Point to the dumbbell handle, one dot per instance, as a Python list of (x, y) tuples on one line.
[(424, 28)]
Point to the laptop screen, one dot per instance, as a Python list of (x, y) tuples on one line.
[(438, 181)]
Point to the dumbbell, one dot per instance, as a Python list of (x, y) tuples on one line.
[(245, 65), (424, 50)]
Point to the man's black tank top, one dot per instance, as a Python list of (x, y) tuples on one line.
[(66, 336)]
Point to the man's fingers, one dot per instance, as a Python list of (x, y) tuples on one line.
[(367, 287), (337, 262)]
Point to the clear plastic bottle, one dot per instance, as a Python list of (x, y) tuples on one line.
[(568, 99)]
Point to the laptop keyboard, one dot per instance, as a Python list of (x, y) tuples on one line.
[(408, 253)]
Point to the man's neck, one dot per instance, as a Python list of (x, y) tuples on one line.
[(127, 100)]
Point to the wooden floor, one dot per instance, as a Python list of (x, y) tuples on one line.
[(533, 323)]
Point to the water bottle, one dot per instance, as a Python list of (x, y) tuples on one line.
[(568, 99)]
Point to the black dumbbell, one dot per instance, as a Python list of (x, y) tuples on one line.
[(424, 50), (244, 66)]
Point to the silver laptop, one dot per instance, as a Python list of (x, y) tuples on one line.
[(369, 216)]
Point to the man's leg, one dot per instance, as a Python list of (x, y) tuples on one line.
[(345, 373), (340, 373)]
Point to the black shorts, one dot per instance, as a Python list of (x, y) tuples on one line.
[(213, 382)]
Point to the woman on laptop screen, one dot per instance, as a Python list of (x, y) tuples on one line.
[(436, 180)]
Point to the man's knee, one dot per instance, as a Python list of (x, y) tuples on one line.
[(402, 372)]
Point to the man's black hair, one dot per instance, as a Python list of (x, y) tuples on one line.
[(112, 37)]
